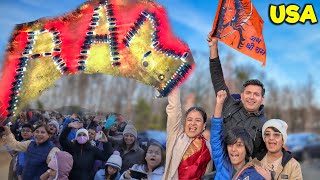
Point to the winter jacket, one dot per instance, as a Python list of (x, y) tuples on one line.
[(234, 113), (289, 168), (220, 158), (177, 140), (83, 156), (20, 161), (134, 156), (37, 156), (224, 168), (248, 172), (64, 161), (155, 175), (72, 133), (101, 175)]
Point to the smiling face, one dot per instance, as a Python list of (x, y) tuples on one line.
[(252, 98), (237, 153), (273, 140), (153, 156), (26, 133), (111, 170), (194, 124), (41, 135), (129, 139)]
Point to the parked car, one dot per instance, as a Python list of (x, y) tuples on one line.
[(148, 136), (304, 146)]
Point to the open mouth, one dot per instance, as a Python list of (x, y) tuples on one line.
[(272, 145), (193, 129)]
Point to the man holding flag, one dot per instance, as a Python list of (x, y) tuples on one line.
[(238, 25), (248, 112)]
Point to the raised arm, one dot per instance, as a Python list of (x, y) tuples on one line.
[(12, 143), (216, 72), (66, 144), (216, 142), (174, 124)]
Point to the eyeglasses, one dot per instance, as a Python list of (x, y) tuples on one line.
[(276, 135), (26, 130)]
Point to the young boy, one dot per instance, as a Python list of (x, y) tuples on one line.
[(26, 134), (278, 161)]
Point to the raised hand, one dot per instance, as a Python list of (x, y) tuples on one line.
[(213, 44), (75, 125), (221, 96), (110, 121), (211, 41)]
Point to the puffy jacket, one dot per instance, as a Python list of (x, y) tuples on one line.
[(224, 168), (234, 113), (83, 156), (289, 169)]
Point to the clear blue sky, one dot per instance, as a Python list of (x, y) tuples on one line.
[(293, 51)]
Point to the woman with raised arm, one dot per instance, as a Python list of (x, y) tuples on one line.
[(38, 151), (187, 151), (83, 153)]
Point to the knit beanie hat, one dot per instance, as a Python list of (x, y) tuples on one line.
[(279, 124), (82, 130), (130, 129), (55, 123), (115, 160)]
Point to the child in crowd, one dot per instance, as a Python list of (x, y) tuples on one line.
[(277, 160), (152, 166), (26, 134), (112, 168), (60, 166)]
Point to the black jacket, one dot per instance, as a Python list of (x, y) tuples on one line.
[(234, 113), (84, 156)]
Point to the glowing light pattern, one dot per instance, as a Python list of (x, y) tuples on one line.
[(114, 37)]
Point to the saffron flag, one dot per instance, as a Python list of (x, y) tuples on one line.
[(125, 38), (238, 24)]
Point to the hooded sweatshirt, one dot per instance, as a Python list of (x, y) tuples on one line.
[(62, 162)]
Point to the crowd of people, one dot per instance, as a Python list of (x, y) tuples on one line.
[(242, 143)]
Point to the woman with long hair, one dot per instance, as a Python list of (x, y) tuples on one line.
[(152, 166)]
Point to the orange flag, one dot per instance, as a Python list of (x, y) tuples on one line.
[(238, 24)]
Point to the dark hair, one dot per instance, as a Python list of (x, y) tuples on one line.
[(274, 129), (106, 172), (255, 82), (239, 133), (42, 125), (200, 110), (27, 125), (163, 155)]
